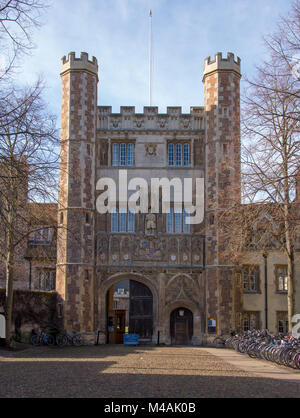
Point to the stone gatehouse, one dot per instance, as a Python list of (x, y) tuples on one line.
[(179, 287), (150, 273)]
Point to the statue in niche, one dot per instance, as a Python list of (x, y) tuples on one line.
[(150, 224)]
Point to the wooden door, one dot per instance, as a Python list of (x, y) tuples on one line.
[(181, 332), (181, 323)]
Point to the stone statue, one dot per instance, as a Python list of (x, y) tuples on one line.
[(150, 224)]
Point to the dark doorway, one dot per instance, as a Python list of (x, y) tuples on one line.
[(181, 326), (129, 310), (141, 311)]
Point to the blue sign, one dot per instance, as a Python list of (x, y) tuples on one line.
[(131, 339), (212, 326)]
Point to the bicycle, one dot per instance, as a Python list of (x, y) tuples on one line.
[(280, 349), (65, 338), (219, 341), (42, 338)]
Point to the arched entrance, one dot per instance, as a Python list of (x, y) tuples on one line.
[(181, 323), (129, 310)]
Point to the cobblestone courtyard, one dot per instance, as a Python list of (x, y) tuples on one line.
[(141, 372)]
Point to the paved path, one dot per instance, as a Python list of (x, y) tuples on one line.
[(141, 372), (259, 367)]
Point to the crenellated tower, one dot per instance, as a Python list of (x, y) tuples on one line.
[(222, 179), (76, 208)]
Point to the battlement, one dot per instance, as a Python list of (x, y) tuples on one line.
[(151, 111), (128, 119), (220, 63), (81, 64)]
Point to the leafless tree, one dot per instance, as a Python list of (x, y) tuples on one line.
[(283, 48), (271, 155), (17, 20), (28, 167)]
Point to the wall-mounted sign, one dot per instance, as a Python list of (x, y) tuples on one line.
[(212, 325)]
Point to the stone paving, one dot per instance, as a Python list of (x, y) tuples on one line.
[(141, 372)]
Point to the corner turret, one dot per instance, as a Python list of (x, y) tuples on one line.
[(79, 64), (222, 64)]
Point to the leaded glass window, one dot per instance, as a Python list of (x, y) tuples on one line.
[(171, 154)]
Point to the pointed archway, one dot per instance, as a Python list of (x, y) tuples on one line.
[(181, 326)]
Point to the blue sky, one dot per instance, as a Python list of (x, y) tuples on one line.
[(185, 32)]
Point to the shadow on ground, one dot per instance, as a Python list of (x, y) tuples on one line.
[(131, 372)]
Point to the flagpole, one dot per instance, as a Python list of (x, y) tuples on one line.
[(150, 59)]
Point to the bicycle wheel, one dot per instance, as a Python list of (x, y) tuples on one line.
[(61, 340), (251, 350), (228, 342), (242, 347), (266, 352), (277, 357), (50, 340), (284, 356), (35, 340), (77, 340), (297, 360), (218, 341)]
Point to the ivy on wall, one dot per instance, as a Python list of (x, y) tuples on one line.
[(33, 308)]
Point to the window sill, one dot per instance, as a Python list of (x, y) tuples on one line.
[(120, 166), (179, 166), (39, 243), (251, 292)]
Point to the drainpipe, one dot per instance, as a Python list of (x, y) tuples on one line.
[(204, 252), (30, 273), (265, 255)]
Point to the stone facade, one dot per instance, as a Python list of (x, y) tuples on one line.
[(183, 268), (37, 254)]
